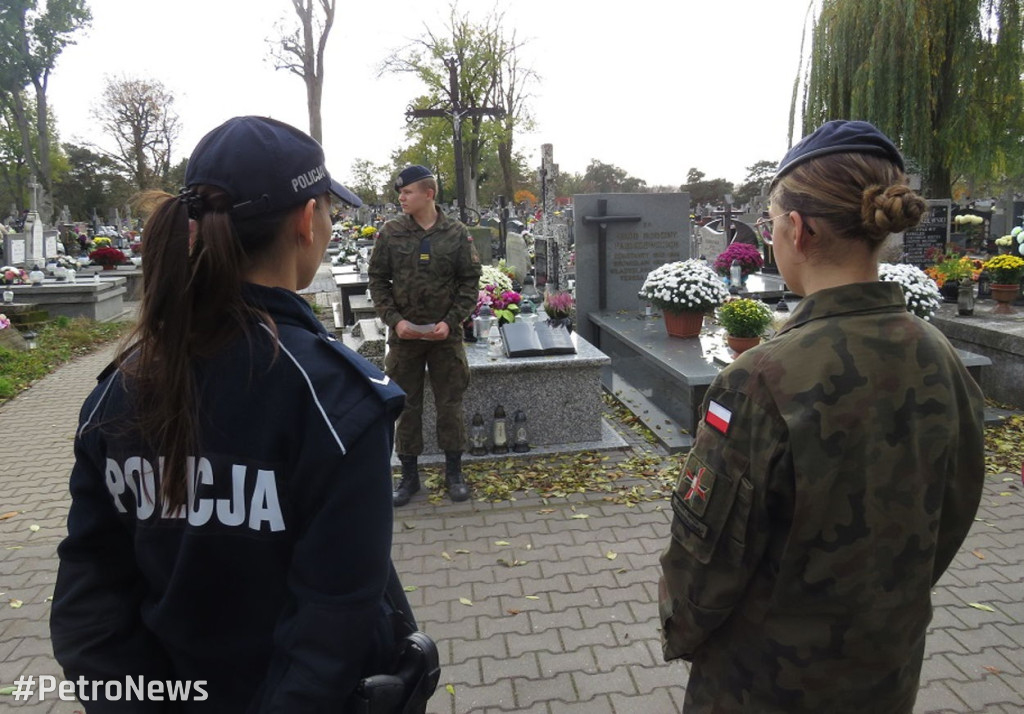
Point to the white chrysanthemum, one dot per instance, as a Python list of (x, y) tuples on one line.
[(690, 284), (920, 291)]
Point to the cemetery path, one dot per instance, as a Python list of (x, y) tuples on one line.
[(535, 607)]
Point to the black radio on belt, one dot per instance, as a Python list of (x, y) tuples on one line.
[(425, 250)]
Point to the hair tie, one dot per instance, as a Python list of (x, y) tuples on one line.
[(192, 201)]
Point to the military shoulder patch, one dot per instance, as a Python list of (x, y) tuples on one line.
[(718, 417)]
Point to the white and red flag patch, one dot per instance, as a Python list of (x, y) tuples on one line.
[(718, 417)]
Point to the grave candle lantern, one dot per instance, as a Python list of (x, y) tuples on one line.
[(500, 435), (30, 339), (477, 436), (520, 443)]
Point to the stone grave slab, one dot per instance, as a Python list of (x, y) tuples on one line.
[(560, 395), (102, 301)]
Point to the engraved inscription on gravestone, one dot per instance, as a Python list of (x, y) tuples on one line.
[(643, 231), (931, 232)]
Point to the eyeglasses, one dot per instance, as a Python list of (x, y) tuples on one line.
[(769, 224)]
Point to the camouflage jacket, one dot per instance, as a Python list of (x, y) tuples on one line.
[(836, 471), (439, 285)]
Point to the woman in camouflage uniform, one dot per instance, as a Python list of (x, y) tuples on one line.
[(837, 469)]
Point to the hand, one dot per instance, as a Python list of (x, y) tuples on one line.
[(405, 332), (440, 331)]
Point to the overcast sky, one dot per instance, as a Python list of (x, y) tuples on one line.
[(653, 86)]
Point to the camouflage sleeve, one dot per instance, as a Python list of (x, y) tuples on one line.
[(719, 519), (966, 478), (467, 280), (380, 273)]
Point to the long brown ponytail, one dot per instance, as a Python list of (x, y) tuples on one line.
[(192, 306)]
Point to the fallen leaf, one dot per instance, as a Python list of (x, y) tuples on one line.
[(620, 571), (462, 551), (1005, 493), (511, 563), (513, 611), (444, 554), (980, 606), (466, 601), (410, 588), (9, 514), (15, 603), (13, 547), (529, 546), (993, 670), (49, 599), (7, 691), (408, 526), (501, 542), (545, 511), (978, 554), (35, 529), (450, 689), (532, 597), (611, 555), (581, 515)]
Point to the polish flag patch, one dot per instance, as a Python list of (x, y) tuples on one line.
[(718, 417)]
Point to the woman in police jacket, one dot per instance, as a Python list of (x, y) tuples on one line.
[(230, 529)]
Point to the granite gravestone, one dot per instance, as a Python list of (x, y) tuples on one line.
[(638, 233), (14, 249), (516, 256), (931, 232)]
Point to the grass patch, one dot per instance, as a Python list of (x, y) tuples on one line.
[(58, 342)]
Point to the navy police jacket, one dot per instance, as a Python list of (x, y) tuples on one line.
[(266, 593)]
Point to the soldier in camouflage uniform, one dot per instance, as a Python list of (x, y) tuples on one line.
[(423, 271), (836, 471)]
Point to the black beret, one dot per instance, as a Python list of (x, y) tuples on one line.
[(839, 137), (412, 174)]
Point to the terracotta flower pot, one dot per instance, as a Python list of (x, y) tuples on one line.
[(109, 267), (1004, 295), (739, 345), (683, 324)]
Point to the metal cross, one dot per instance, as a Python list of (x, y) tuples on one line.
[(456, 111)]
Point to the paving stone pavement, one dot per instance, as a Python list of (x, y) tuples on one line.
[(565, 629)]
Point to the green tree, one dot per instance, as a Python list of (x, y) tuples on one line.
[(758, 176), (943, 79), (369, 180), (703, 190), (488, 76), (31, 39), (608, 178), (92, 182)]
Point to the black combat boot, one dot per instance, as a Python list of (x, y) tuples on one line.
[(457, 488), (410, 483)]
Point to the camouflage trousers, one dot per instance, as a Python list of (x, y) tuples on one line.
[(446, 364)]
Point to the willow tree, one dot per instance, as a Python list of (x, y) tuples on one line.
[(941, 77)]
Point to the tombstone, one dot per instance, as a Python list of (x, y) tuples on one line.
[(541, 270), (35, 241), (14, 246), (516, 256), (620, 238), (483, 240), (931, 232)]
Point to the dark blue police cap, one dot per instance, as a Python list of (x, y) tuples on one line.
[(266, 165), (412, 174), (839, 137)]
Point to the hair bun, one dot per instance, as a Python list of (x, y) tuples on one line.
[(892, 209)]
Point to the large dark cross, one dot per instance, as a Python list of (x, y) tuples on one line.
[(602, 219), (457, 112)]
